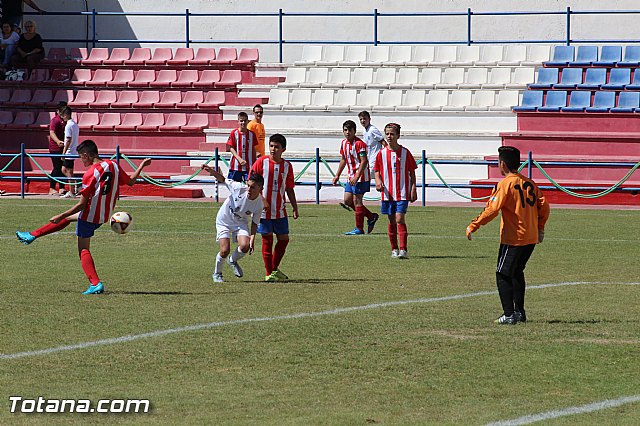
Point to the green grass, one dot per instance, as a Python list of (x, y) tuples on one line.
[(440, 362)]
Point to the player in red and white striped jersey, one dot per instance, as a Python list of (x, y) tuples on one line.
[(98, 196), (278, 181), (242, 144), (353, 153), (395, 173)]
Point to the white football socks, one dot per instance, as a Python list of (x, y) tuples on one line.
[(219, 264), (237, 255)]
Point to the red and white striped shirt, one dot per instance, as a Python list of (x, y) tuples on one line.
[(351, 152), (394, 168), (278, 177), (100, 184), (245, 145)]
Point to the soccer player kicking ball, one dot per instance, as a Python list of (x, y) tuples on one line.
[(353, 153), (524, 214), (100, 184), (244, 202), (278, 180), (395, 172)]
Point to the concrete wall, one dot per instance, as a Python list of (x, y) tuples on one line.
[(336, 28)]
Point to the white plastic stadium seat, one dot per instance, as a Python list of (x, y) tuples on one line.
[(311, 54), (521, 77), (458, 100), (321, 99), (360, 77), (412, 100), (343, 99), (429, 77), (490, 55), (537, 54), (366, 100), (389, 100), (514, 54), (398, 56), (452, 78), (422, 55), (476, 77), (482, 100), (445, 56), (499, 77), (298, 99), (277, 98), (376, 56), (467, 56), (406, 78), (354, 55), (436, 99), (316, 77), (295, 76), (331, 55), (338, 78), (383, 78), (505, 100)]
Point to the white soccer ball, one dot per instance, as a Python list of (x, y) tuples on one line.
[(121, 222)]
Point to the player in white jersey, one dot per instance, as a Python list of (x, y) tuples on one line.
[(244, 202), (372, 136)]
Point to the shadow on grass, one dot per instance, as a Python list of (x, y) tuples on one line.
[(145, 293), (310, 281), (586, 321), (448, 257)]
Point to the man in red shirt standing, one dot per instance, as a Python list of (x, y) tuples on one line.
[(100, 184), (56, 143), (242, 143)]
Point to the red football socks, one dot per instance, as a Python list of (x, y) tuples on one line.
[(267, 256), (50, 228), (392, 231), (367, 212), (360, 217), (402, 232), (281, 246), (88, 267)]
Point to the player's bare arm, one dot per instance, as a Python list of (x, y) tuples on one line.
[(414, 188), (213, 172), (136, 174), (341, 166), (235, 154), (294, 204), (364, 163), (379, 183), (252, 238), (73, 211)]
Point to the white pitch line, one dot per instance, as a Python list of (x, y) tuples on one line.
[(206, 326), (570, 411)]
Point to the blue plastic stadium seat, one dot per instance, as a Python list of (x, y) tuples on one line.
[(586, 56), (636, 82), (627, 102), (546, 78), (580, 100), (556, 99), (609, 56), (631, 57), (571, 77), (603, 102), (562, 55), (594, 78), (531, 100), (618, 79)]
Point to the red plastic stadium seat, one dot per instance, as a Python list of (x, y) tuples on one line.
[(246, 57), (147, 99), (5, 95), (196, 123), (38, 76), (126, 99), (204, 56), (164, 78), (55, 55), (6, 117), (42, 97), (81, 76), (104, 99), (130, 122), (100, 78), (208, 78), (97, 55), (87, 120), (225, 56), (139, 56), (182, 57), (175, 120), (191, 99), (169, 99), (118, 56), (76, 56), (22, 120), (65, 95), (229, 79), (19, 97), (152, 122), (143, 78), (42, 120), (108, 121), (83, 99), (58, 77), (186, 78), (122, 78), (212, 100), (160, 56)]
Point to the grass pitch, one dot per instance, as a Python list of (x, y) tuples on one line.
[(431, 361)]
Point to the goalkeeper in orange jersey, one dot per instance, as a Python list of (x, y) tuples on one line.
[(524, 214)]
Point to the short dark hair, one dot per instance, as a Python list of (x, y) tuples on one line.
[(61, 105), (364, 114), (349, 124), (278, 138), (258, 179), (243, 114), (89, 147), (65, 111), (511, 157), (257, 106), (394, 126)]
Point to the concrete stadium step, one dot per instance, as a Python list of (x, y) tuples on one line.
[(594, 123), (593, 144)]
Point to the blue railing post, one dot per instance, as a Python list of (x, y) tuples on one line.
[(22, 179), (375, 27), (568, 25), (424, 178), (186, 28), (93, 27), (529, 165), (280, 33), (217, 169), (318, 175), (118, 161), (469, 26)]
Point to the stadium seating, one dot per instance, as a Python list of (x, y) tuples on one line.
[(96, 56), (108, 122), (100, 78), (168, 99), (602, 102), (203, 57), (125, 99), (143, 78), (225, 56), (129, 122), (148, 98), (164, 78), (247, 56), (6, 117), (160, 56), (84, 98), (19, 97), (139, 56), (186, 78), (556, 99), (196, 123), (571, 77), (122, 78), (631, 57), (151, 122), (594, 79), (531, 101), (207, 79), (119, 55), (586, 56), (562, 56), (104, 99), (578, 102), (627, 102), (618, 79), (182, 56), (609, 56), (42, 97), (490, 55)]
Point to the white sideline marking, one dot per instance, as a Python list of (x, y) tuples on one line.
[(195, 327), (570, 411)]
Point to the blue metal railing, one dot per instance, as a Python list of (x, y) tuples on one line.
[(280, 15), (317, 183)]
